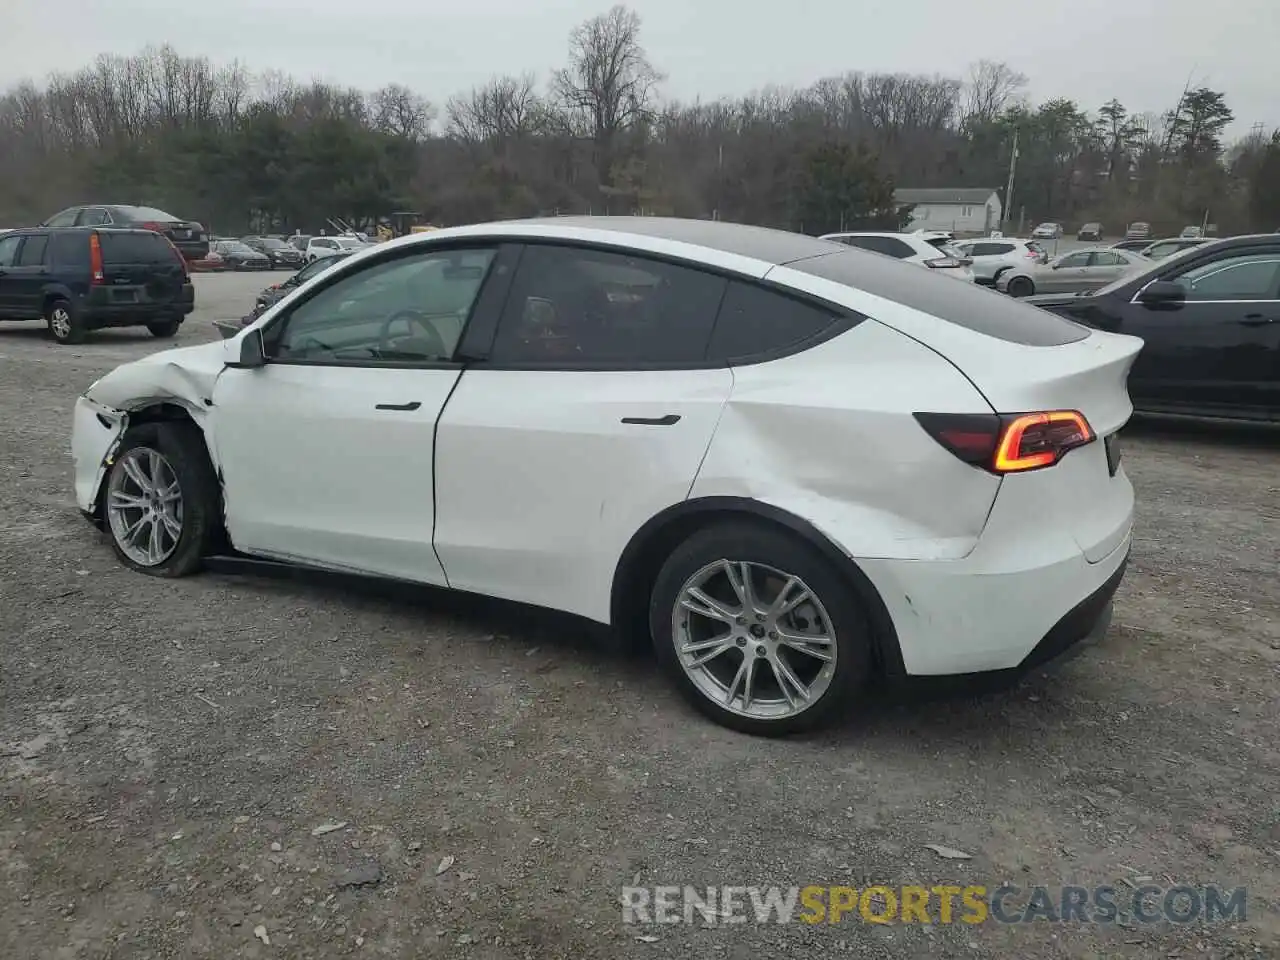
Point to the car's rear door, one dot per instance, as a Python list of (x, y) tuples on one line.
[(589, 412), (326, 452)]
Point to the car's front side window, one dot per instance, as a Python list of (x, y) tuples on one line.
[(1247, 277), (571, 305), (408, 310), (1074, 260)]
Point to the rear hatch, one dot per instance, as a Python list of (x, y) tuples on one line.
[(139, 266)]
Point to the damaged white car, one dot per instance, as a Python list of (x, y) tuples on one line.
[(790, 465)]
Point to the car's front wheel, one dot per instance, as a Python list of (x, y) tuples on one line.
[(161, 499), (758, 630)]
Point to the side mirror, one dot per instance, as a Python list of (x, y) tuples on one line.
[(1162, 292), (252, 352)]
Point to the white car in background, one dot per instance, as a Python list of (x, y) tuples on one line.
[(937, 254), (318, 247), (793, 468), (992, 256)]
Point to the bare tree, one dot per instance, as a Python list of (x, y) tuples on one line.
[(504, 108), (609, 84), (399, 111), (991, 88)]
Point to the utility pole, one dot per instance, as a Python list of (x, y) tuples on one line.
[(1008, 189)]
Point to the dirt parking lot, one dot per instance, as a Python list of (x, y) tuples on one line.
[(172, 753)]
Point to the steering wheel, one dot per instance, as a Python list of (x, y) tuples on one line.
[(436, 344)]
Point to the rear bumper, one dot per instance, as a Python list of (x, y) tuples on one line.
[(961, 617), (192, 249), (95, 311)]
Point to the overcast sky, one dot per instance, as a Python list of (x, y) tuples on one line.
[(1140, 51)]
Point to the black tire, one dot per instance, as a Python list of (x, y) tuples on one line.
[(182, 444), (64, 323), (743, 540), (1021, 287), (164, 329)]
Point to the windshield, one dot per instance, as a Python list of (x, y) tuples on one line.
[(270, 244), (348, 243), (235, 246)]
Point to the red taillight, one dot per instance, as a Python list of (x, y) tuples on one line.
[(153, 226), (95, 259), (1011, 443)]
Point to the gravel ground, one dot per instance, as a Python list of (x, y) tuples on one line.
[(168, 749)]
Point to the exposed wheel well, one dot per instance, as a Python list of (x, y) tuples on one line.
[(160, 412), (638, 568), (49, 300)]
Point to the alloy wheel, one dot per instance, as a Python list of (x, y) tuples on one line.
[(60, 322), (753, 639), (144, 506)]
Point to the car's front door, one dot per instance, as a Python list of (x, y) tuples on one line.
[(10, 286), (590, 413), (1068, 274), (326, 452), (1221, 346)]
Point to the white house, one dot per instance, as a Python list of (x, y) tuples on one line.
[(973, 210)]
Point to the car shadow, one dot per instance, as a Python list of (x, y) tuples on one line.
[(32, 330), (1259, 435)]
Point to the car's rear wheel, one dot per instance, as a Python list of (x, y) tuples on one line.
[(64, 324), (164, 329), (1021, 287), (161, 499), (758, 630)]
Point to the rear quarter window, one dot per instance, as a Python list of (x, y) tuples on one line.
[(754, 322), (953, 301), (71, 249), (142, 247)]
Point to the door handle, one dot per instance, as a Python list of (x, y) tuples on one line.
[(668, 420), (1255, 320), (412, 405)]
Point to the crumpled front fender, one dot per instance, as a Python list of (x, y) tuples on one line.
[(184, 377)]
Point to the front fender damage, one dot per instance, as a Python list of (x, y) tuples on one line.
[(175, 383)]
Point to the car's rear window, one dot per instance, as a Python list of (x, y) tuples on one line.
[(151, 213), (135, 248), (964, 304)]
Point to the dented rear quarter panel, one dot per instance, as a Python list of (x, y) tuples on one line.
[(827, 435)]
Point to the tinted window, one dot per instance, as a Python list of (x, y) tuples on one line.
[(886, 245), (94, 216), (990, 249), (409, 309), (964, 304), (71, 249), (32, 254), (755, 321), (589, 306), (9, 250), (67, 218), (318, 267), (135, 248), (1249, 277)]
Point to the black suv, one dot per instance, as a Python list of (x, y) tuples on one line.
[(80, 279)]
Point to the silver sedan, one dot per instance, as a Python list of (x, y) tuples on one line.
[(1075, 272)]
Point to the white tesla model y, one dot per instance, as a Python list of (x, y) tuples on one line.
[(792, 465)]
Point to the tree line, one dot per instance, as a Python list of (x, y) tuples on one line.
[(242, 151)]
